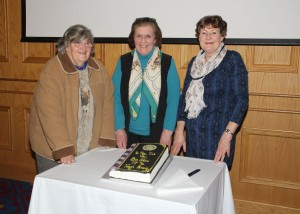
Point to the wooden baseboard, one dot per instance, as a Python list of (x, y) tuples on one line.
[(17, 173), (249, 207)]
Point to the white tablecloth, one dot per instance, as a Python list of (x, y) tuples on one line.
[(80, 188)]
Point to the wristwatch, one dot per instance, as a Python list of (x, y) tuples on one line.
[(229, 132)]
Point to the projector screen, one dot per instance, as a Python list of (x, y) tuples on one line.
[(269, 22)]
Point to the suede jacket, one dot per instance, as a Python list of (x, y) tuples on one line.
[(53, 120)]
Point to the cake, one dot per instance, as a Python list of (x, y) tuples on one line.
[(141, 162)]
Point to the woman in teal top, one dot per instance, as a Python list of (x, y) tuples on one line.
[(146, 89)]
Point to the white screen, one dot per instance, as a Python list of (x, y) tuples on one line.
[(252, 19)]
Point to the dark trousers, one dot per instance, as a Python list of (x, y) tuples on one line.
[(135, 138), (44, 164)]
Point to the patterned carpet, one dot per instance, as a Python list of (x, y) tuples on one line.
[(14, 196)]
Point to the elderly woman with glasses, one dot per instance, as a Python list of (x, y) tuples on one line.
[(72, 106), (214, 99), (147, 89)]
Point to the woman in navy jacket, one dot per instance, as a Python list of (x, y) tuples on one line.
[(214, 99)]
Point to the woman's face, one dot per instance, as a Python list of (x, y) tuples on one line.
[(79, 52), (144, 39), (210, 39)]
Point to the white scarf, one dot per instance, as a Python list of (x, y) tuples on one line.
[(194, 94), (149, 82), (85, 113)]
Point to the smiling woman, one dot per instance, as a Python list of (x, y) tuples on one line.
[(214, 97), (245, 18), (144, 39), (79, 52), (146, 87), (64, 122)]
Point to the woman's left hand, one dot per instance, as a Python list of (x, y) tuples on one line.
[(223, 147), (166, 137)]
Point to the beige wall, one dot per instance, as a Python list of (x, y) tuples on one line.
[(266, 170)]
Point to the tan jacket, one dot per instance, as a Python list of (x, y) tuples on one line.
[(54, 111)]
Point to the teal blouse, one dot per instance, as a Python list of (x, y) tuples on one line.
[(141, 125)]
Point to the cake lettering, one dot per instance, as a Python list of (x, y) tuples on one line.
[(141, 162)]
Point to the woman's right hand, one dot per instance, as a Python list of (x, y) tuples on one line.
[(179, 141), (121, 138), (68, 159)]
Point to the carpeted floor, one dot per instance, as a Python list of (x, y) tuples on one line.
[(14, 196)]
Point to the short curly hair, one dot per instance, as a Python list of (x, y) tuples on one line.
[(214, 21)]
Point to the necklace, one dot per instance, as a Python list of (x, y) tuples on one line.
[(82, 67)]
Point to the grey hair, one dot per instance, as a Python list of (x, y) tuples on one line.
[(75, 33)]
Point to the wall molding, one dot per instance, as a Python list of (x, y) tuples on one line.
[(291, 64), (4, 57), (245, 175), (5, 124)]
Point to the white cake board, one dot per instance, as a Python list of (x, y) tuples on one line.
[(152, 184)]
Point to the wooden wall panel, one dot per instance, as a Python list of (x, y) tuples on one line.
[(5, 127), (112, 54), (265, 174), (99, 52), (182, 55), (3, 32), (274, 103), (273, 59), (16, 158), (274, 166), (37, 52), (26, 113)]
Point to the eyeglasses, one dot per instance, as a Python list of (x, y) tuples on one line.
[(83, 44), (208, 33)]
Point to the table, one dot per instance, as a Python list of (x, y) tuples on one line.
[(80, 188)]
